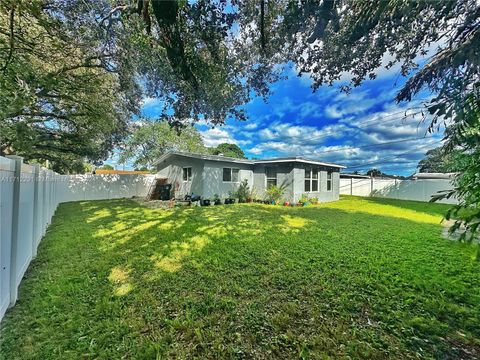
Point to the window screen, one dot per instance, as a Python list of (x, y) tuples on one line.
[(227, 174), (235, 175), (271, 174), (329, 181), (230, 175), (311, 180)]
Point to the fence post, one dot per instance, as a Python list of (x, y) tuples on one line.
[(50, 195), (36, 171), (351, 186), (15, 214), (44, 202), (371, 185)]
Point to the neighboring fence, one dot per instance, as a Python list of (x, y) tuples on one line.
[(29, 196), (420, 190), (99, 187)]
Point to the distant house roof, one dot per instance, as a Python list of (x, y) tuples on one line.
[(120, 172), (245, 161), (424, 176), (353, 176)]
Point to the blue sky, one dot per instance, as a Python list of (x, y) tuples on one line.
[(328, 125)]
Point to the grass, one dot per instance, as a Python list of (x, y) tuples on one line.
[(358, 278)]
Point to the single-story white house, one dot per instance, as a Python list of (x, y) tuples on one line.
[(207, 175)]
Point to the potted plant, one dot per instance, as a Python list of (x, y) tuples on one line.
[(216, 200), (304, 201), (274, 194), (232, 196)]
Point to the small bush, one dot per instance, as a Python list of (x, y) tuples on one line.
[(274, 194), (304, 199), (243, 192)]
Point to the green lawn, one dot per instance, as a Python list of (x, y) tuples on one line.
[(358, 278)]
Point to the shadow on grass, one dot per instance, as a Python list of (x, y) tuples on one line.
[(115, 279)]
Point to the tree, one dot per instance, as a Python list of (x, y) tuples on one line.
[(150, 140), (437, 160), (374, 173), (230, 150), (142, 168), (186, 55), (73, 72), (106, 167), (58, 102)]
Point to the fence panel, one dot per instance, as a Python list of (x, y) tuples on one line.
[(24, 246), (419, 190), (7, 173), (29, 196), (102, 186)]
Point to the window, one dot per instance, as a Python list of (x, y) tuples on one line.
[(271, 174), (230, 175), (329, 181), (187, 174), (311, 180)]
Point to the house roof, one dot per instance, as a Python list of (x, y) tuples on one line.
[(245, 161), (434, 175), (202, 156), (120, 172), (353, 176), (298, 159)]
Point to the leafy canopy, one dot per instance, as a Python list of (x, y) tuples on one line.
[(437, 160), (230, 150), (57, 101), (150, 140)]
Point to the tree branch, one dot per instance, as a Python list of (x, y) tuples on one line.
[(131, 9), (11, 41)]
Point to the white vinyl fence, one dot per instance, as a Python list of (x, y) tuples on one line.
[(419, 190), (29, 196)]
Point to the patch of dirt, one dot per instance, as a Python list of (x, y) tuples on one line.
[(154, 204)]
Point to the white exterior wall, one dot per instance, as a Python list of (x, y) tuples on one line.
[(419, 190), (213, 178), (322, 195), (172, 170)]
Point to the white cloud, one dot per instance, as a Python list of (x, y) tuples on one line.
[(216, 136), (149, 101), (251, 126), (354, 141)]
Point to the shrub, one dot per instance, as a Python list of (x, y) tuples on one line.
[(274, 194), (303, 199), (243, 192), (252, 195)]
